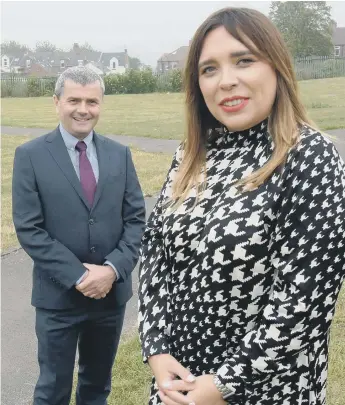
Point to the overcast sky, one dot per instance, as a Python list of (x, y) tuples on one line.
[(147, 29)]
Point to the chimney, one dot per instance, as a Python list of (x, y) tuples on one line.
[(76, 48), (126, 59)]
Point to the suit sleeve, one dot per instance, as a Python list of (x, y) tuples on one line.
[(125, 256), (153, 274), (308, 259), (58, 262)]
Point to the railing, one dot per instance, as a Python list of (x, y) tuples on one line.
[(319, 67)]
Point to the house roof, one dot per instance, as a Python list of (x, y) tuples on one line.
[(106, 57), (180, 54), (19, 59), (339, 36), (52, 60)]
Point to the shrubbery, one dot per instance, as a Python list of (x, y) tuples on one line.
[(131, 82), (27, 87), (146, 81)]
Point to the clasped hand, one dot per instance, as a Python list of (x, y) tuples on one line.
[(200, 390), (97, 282)]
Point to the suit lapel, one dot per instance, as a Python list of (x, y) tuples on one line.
[(58, 150), (103, 157)]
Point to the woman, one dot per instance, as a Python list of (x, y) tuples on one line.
[(243, 256)]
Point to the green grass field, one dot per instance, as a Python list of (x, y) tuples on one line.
[(131, 378), (151, 168), (162, 115)]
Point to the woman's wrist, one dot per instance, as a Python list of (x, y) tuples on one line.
[(223, 389)]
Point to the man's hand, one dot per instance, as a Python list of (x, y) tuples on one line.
[(98, 282), (166, 368), (204, 393)]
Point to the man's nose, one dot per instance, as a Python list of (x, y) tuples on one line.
[(82, 108)]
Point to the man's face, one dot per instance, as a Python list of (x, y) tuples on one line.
[(79, 107)]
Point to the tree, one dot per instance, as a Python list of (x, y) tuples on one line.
[(45, 46), (87, 47), (13, 47), (306, 26), (134, 63)]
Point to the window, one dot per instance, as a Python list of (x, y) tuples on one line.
[(80, 63), (28, 63), (62, 63), (113, 63), (5, 62), (337, 51)]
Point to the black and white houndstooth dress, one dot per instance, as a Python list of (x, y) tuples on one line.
[(245, 285)]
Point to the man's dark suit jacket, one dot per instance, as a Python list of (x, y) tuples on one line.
[(60, 231)]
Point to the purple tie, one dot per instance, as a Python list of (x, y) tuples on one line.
[(87, 177)]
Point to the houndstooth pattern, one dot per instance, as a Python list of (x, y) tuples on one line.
[(245, 285)]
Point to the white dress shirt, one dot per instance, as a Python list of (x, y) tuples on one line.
[(91, 153)]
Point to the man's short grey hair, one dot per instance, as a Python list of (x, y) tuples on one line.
[(78, 74)]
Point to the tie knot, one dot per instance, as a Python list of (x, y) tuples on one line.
[(81, 146)]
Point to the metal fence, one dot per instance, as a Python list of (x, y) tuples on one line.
[(19, 86), (305, 69), (319, 67)]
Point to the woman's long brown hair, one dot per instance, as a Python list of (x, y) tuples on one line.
[(249, 27)]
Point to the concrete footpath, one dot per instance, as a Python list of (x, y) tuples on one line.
[(146, 144), (19, 369)]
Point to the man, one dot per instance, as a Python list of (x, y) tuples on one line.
[(79, 213)]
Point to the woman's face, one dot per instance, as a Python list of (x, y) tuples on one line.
[(238, 88)]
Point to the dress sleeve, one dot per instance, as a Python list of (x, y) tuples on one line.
[(153, 274), (307, 256)]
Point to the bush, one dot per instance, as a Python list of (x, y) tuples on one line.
[(170, 82), (34, 87), (176, 80), (146, 81), (48, 86), (131, 82), (12, 87)]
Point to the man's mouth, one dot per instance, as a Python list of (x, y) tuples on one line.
[(81, 119)]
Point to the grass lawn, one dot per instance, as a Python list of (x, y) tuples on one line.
[(131, 379), (161, 115), (151, 168)]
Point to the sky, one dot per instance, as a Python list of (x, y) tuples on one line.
[(147, 29)]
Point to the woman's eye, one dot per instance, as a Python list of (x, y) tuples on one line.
[(208, 69), (246, 61)]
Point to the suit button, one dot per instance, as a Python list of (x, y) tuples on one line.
[(92, 249), (91, 221)]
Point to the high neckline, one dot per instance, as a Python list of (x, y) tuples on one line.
[(221, 136)]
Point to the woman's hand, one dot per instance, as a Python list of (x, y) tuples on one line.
[(166, 368), (204, 393)]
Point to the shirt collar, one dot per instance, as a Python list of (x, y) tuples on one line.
[(71, 141)]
